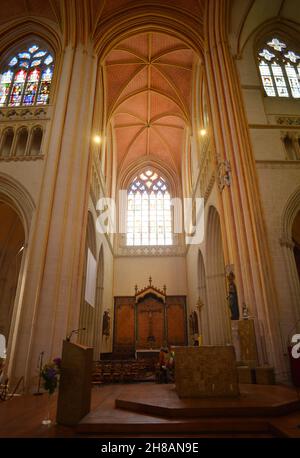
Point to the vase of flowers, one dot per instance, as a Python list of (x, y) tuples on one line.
[(50, 376)]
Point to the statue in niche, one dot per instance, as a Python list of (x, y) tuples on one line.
[(106, 324), (233, 297)]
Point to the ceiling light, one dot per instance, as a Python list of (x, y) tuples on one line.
[(97, 139), (203, 132)]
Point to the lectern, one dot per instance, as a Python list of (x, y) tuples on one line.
[(74, 396)]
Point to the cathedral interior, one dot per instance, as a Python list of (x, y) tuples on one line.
[(150, 194)]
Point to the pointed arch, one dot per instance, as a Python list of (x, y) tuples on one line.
[(12, 245), (24, 31), (291, 209), (138, 19), (13, 193), (287, 243), (99, 304), (216, 281), (15, 196), (87, 310), (203, 302), (127, 175)]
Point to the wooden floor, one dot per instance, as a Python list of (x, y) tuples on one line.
[(253, 401), (22, 417)]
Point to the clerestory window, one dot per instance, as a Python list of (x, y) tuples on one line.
[(27, 77), (279, 68), (149, 218)]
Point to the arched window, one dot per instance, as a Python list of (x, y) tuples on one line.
[(279, 68), (21, 144), (7, 141), (149, 220), (289, 147), (36, 141), (27, 78)]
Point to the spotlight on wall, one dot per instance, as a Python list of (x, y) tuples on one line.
[(202, 132), (97, 139)]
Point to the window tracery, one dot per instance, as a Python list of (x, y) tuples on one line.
[(149, 220), (279, 68), (27, 78)]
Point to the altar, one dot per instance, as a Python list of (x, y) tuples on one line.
[(206, 371), (147, 354), (150, 319)]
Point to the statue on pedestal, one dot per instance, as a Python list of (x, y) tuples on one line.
[(233, 297), (245, 312), (106, 324)]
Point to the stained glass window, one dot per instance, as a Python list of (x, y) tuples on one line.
[(27, 79), (279, 69), (31, 87), (6, 80), (149, 217)]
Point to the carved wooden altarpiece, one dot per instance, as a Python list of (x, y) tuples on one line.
[(149, 320)]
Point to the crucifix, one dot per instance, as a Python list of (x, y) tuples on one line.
[(150, 310)]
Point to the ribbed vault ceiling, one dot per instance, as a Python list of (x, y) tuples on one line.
[(15, 9), (195, 7), (246, 15), (148, 93)]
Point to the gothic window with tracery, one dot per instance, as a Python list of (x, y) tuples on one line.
[(27, 77), (149, 220), (279, 68)]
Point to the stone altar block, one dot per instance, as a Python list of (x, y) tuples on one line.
[(206, 371)]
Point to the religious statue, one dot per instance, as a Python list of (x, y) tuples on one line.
[(224, 174), (245, 312), (233, 297), (106, 324), (193, 321)]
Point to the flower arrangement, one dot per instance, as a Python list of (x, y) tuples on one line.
[(50, 375)]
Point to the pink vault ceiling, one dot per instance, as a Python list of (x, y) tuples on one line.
[(148, 93)]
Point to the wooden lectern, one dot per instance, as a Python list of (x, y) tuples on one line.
[(74, 396)]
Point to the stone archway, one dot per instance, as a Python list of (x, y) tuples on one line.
[(216, 282), (296, 240), (203, 303), (19, 206), (12, 244), (87, 315), (290, 247), (99, 309)]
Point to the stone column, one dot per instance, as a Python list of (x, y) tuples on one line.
[(219, 321), (243, 228), (51, 300)]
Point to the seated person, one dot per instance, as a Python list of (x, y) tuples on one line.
[(165, 365), (2, 355), (2, 346), (171, 363)]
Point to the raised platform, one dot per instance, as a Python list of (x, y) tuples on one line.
[(152, 408), (254, 400)]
